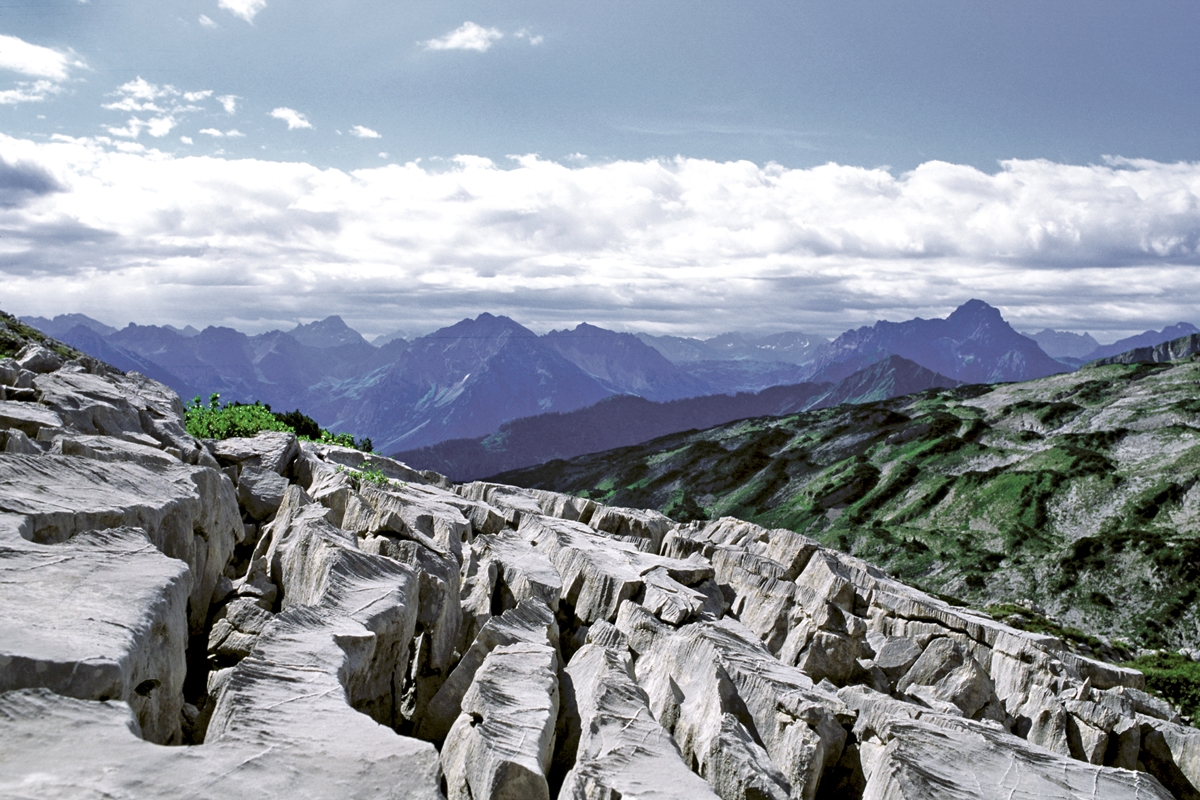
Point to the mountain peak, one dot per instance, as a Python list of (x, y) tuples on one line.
[(329, 332), (975, 311)]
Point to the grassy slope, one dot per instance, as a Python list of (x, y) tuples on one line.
[(15, 334), (1073, 493)]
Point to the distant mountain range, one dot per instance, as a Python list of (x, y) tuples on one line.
[(627, 420), (1077, 349), (469, 379)]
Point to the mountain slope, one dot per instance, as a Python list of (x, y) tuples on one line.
[(1065, 344), (973, 345), (622, 421), (1079, 492), (1174, 350), (624, 364)]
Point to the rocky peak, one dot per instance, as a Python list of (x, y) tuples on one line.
[(329, 332)]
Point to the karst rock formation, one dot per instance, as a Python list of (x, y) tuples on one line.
[(267, 618)]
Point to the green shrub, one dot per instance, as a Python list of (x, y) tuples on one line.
[(217, 421)]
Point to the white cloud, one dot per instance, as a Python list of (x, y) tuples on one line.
[(36, 61), (365, 133), (164, 102), (229, 103), (534, 40), (234, 133), (684, 245), (29, 92), (212, 132), (467, 36), (293, 118), (187, 140), (246, 9), (206, 21)]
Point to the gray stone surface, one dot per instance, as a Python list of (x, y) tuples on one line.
[(622, 750), (502, 742), (102, 616)]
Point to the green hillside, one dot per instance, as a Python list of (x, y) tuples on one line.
[(1073, 495)]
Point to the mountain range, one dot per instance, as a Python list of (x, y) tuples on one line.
[(467, 380), (625, 420)]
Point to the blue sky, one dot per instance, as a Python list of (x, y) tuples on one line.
[(683, 167)]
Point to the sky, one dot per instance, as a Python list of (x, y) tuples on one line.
[(673, 167)]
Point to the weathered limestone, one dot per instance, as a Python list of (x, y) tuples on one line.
[(598, 574), (499, 571), (60, 747), (700, 660), (530, 622), (721, 693), (501, 744), (29, 418), (270, 450), (622, 750), (102, 616), (260, 491), (189, 513)]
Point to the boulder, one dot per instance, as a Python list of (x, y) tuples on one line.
[(622, 750), (260, 491), (272, 451), (29, 418), (501, 744), (102, 616), (38, 359), (61, 747), (188, 513)]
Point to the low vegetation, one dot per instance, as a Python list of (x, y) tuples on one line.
[(1078, 493), (14, 335), (223, 421), (1175, 678)]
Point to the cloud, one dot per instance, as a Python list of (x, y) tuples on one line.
[(164, 102), (206, 21), (229, 103), (217, 134), (364, 133), (246, 9), (534, 40), (187, 139), (36, 61), (681, 245), (293, 118), (467, 36), (49, 69), (29, 92), (23, 181)]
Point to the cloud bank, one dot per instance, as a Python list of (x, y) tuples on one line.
[(682, 245)]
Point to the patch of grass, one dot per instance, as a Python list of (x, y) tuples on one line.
[(1174, 678), (1026, 619), (367, 475)]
